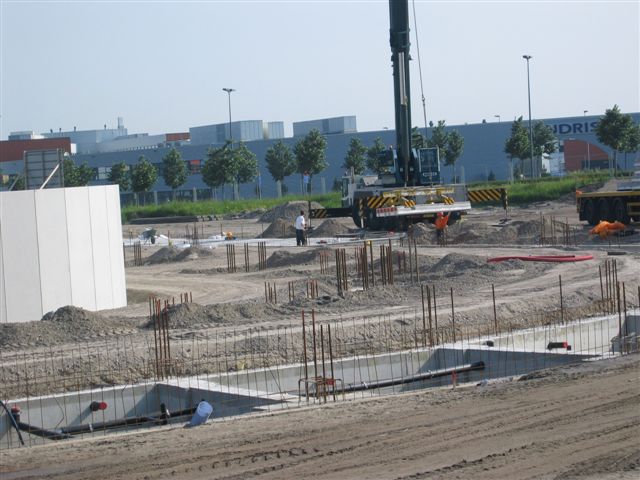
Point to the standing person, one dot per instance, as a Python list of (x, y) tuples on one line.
[(301, 225), (441, 224)]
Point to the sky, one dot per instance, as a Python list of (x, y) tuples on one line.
[(162, 65)]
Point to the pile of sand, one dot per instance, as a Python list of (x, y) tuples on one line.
[(173, 254), (284, 258), (280, 228), (193, 315), (66, 325), (71, 314), (468, 232), (288, 211), (330, 228), (423, 233)]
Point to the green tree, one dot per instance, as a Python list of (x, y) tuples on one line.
[(280, 163), (631, 142), (310, 155), (544, 141), (438, 137), (613, 129), (143, 176), (245, 165), (356, 157), (76, 176), (373, 156), (216, 171), (417, 139), (120, 175), (174, 170), (453, 150), (517, 145)]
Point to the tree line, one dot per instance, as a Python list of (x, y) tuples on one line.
[(233, 165), (614, 130)]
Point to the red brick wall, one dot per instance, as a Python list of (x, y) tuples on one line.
[(175, 137), (11, 150)]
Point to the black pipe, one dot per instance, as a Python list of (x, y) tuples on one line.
[(415, 378), (43, 432), (68, 432), (13, 421)]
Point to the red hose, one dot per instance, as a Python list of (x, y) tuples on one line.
[(544, 258)]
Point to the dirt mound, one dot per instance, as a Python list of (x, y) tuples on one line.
[(280, 228), (66, 325), (71, 314), (330, 228), (468, 232), (423, 233), (288, 211), (283, 258), (470, 270), (173, 254), (193, 315), (458, 264)]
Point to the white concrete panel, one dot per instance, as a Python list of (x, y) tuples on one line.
[(101, 256), (55, 277), (20, 256), (83, 292), (3, 298), (118, 281)]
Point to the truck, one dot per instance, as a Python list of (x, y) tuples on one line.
[(408, 188), (622, 205)]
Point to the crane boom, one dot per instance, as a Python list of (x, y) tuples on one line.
[(399, 41)]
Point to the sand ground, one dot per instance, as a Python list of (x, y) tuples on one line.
[(576, 422)]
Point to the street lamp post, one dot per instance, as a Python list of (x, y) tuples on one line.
[(229, 90), (527, 58), (584, 112), (498, 117)]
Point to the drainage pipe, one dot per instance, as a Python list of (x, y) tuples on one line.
[(543, 258), (353, 387), (65, 433)]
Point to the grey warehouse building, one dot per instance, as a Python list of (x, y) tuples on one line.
[(483, 152)]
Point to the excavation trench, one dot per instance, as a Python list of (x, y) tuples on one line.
[(103, 411)]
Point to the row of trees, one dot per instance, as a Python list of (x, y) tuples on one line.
[(615, 130), (450, 145), (226, 165), (518, 145)]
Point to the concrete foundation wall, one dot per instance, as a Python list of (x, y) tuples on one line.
[(60, 247)]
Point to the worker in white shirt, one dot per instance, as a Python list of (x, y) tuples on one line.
[(301, 225)]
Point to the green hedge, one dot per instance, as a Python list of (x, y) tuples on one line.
[(214, 207)]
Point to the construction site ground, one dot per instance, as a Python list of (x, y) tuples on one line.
[(581, 421)]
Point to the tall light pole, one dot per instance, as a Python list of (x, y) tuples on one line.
[(229, 90), (527, 58), (498, 117), (584, 112)]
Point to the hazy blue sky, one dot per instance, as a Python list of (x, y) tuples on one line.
[(162, 65)]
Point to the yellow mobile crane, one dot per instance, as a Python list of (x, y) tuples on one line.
[(408, 189)]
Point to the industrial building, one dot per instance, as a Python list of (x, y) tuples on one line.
[(482, 158)]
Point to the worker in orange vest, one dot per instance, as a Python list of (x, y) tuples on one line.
[(441, 224)]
